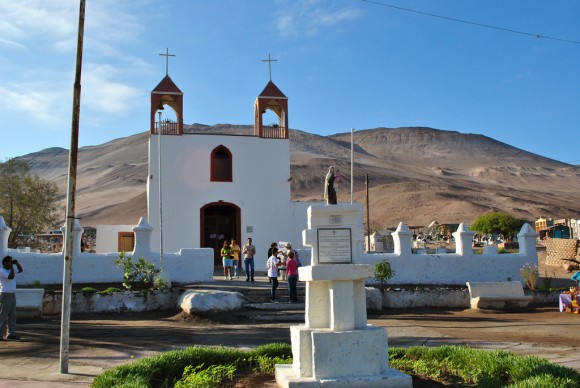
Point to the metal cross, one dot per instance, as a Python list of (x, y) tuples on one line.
[(269, 60), (167, 55)]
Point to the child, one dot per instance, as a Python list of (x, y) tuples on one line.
[(272, 266)]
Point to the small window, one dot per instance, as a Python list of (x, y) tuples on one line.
[(221, 164)]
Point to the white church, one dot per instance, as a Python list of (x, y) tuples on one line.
[(216, 186)]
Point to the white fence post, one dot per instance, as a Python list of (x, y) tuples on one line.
[(4, 234), (527, 241), (463, 240), (77, 237), (402, 240), (142, 239)]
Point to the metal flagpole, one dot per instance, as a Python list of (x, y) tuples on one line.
[(160, 191), (351, 163), (70, 212)]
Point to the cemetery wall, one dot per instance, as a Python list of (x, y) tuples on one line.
[(560, 248)]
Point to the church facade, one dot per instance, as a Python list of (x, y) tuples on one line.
[(216, 187)]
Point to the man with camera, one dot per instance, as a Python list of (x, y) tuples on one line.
[(8, 297)]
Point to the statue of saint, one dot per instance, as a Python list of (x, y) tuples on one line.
[(329, 192)]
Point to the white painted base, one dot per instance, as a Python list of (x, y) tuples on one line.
[(391, 378)]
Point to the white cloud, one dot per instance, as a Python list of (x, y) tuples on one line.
[(53, 24), (39, 38), (103, 93), (309, 17), (44, 102), (30, 22)]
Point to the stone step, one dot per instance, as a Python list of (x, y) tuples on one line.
[(273, 306), (281, 316)]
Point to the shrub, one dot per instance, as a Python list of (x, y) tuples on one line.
[(89, 290), (383, 272), (530, 275), (110, 290), (140, 275)]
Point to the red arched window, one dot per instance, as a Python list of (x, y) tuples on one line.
[(221, 164)]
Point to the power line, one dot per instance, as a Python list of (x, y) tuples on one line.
[(538, 36)]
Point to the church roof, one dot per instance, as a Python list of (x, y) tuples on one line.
[(167, 86), (271, 90)]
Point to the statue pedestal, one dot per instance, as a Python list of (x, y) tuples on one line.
[(336, 347)]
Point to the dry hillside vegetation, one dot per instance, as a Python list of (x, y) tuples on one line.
[(417, 175)]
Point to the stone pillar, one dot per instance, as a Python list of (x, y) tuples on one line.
[(4, 234), (402, 240), (527, 242), (463, 241), (142, 239), (335, 346)]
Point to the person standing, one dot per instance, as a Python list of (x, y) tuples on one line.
[(272, 246), (292, 273), (329, 192), (272, 265), (236, 256), (227, 260), (249, 251), (8, 297)]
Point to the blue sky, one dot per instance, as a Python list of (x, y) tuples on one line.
[(343, 64)]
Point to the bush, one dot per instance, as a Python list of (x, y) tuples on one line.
[(140, 275), (530, 275), (383, 272), (89, 290), (110, 290)]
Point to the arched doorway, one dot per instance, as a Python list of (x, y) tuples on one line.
[(219, 221)]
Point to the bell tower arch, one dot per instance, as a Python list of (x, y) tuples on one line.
[(274, 100), (167, 93)]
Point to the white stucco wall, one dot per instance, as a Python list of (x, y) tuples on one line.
[(260, 188), (185, 266), (108, 237)]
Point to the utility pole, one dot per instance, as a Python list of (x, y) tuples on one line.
[(70, 211), (351, 164), (368, 216)]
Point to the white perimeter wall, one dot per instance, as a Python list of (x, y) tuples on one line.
[(185, 266)]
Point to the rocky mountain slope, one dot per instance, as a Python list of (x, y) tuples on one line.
[(417, 175)]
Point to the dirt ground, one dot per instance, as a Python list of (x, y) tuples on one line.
[(99, 342)]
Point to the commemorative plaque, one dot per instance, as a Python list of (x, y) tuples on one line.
[(334, 246)]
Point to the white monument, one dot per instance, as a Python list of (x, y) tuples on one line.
[(336, 347)]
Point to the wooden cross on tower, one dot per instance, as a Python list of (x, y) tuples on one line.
[(167, 55), (269, 60)]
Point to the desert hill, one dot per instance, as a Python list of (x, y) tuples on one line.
[(416, 175)]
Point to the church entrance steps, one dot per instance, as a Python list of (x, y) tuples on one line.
[(257, 296), (277, 312)]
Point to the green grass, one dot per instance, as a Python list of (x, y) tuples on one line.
[(461, 366), (167, 369), (449, 365)]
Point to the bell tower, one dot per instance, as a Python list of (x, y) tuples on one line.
[(272, 99), (167, 93)]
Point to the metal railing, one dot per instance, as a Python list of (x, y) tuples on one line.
[(274, 132), (167, 128)]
